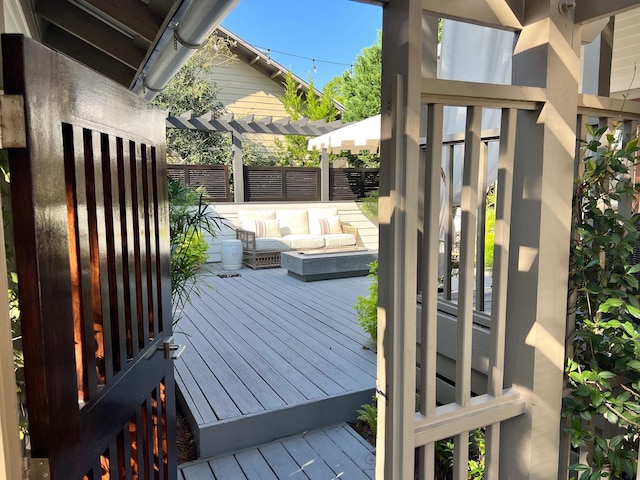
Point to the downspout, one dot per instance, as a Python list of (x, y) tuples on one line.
[(189, 29)]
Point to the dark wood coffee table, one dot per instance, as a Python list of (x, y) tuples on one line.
[(323, 265)]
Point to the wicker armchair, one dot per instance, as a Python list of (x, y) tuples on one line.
[(256, 258)]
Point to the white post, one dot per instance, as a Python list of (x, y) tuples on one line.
[(398, 212), (324, 175), (547, 54), (238, 168)]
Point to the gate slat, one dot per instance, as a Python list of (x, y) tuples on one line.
[(429, 268), (469, 201), (504, 192)]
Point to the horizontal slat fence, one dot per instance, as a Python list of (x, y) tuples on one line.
[(272, 184), (213, 178), (352, 183)]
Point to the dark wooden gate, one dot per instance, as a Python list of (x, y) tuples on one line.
[(92, 253)]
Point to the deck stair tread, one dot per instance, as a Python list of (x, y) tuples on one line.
[(331, 452)]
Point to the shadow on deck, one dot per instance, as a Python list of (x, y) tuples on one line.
[(269, 356)]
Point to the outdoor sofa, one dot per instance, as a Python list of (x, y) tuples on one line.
[(266, 233)]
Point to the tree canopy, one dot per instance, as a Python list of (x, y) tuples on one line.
[(360, 92), (292, 151), (192, 89)]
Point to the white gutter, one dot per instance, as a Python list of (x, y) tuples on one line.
[(189, 29)]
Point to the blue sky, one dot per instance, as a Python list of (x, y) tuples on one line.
[(329, 30)]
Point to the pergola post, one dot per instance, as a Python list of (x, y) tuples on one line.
[(238, 168), (547, 54), (398, 211), (324, 175)]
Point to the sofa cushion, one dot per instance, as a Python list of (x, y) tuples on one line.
[(293, 222), (267, 228), (339, 240), (245, 215), (269, 243), (303, 241), (315, 213)]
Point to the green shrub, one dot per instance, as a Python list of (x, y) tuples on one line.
[(603, 374), (189, 218), (369, 206), (369, 414), (490, 227), (367, 307)]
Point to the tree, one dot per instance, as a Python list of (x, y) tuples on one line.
[(292, 151), (360, 92), (191, 89)]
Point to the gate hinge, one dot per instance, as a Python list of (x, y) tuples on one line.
[(13, 133), (36, 469)]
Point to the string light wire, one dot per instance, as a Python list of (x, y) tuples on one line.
[(314, 61)]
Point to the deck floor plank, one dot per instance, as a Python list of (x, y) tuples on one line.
[(267, 352), (334, 456), (254, 466), (265, 390), (274, 352), (199, 471), (316, 332), (282, 464)]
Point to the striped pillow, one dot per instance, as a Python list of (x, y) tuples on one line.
[(329, 225), (267, 228)]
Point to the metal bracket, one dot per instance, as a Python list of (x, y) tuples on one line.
[(172, 351), (37, 469), (13, 133)]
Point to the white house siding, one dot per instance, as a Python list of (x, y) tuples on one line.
[(245, 91), (626, 55)]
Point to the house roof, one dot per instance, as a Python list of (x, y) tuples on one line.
[(122, 38), (263, 63)]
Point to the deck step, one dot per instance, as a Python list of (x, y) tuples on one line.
[(245, 431), (336, 451)]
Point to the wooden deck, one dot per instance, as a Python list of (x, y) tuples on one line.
[(269, 356), (332, 452)]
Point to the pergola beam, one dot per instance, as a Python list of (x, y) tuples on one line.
[(590, 10), (504, 14), (248, 124)]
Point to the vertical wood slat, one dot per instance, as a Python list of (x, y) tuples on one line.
[(481, 227), (127, 214), (147, 437), (157, 180), (139, 265), (429, 267), (111, 189), (468, 201), (150, 241), (82, 143), (504, 192), (100, 266), (74, 261), (448, 221)]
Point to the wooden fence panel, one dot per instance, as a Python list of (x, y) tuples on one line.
[(272, 184), (352, 183), (213, 178)]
